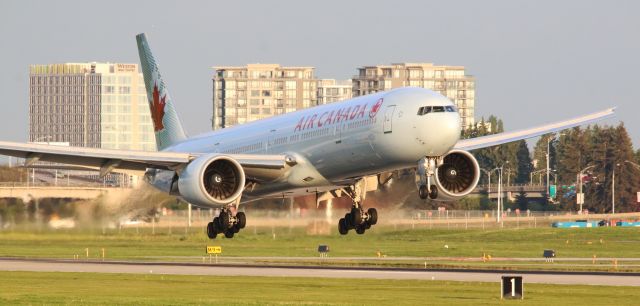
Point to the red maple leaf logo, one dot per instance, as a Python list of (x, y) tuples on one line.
[(157, 109), (375, 108)]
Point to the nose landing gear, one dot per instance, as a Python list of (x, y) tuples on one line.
[(425, 192), (425, 172)]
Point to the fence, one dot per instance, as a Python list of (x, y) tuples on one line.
[(397, 219)]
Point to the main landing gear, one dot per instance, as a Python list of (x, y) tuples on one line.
[(425, 173), (228, 223), (357, 218)]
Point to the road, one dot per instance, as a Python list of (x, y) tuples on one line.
[(575, 278)]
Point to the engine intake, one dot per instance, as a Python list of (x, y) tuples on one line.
[(458, 175), (212, 180)]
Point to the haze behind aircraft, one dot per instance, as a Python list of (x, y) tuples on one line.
[(328, 150)]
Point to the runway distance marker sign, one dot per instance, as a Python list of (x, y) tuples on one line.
[(214, 250)]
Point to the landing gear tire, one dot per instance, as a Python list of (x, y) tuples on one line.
[(216, 224), (343, 229), (358, 220), (423, 192), (224, 220), (226, 223), (212, 232), (347, 221), (433, 194), (242, 220), (356, 216), (373, 216)]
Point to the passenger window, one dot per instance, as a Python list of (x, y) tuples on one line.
[(450, 109), (420, 111), (438, 109), (427, 109)]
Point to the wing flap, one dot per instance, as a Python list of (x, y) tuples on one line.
[(497, 139)]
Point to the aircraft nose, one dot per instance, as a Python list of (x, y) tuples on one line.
[(441, 133)]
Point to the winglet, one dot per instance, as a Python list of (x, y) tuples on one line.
[(166, 123)]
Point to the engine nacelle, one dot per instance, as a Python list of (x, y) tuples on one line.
[(457, 176), (212, 180)]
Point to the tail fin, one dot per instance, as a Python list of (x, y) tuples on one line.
[(166, 123)]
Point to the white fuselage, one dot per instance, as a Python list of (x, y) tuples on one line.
[(344, 140)]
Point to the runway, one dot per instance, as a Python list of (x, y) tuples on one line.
[(573, 278)]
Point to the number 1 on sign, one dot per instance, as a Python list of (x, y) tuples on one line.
[(513, 287)]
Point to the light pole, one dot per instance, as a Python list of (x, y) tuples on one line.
[(33, 170), (499, 208), (499, 201), (548, 157), (489, 179), (635, 165), (613, 190), (536, 172), (554, 172), (580, 196)]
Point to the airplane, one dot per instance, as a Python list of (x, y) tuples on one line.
[(329, 149)]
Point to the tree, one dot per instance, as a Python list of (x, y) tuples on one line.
[(597, 197), (627, 178), (521, 200), (608, 149), (540, 153), (572, 155), (505, 155), (523, 158)]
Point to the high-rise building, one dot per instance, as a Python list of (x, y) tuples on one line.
[(330, 90), (450, 81), (256, 91), (99, 105)]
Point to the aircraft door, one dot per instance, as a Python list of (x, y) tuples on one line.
[(388, 119), (337, 133), (270, 141)]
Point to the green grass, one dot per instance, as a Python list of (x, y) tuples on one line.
[(45, 288), (616, 242)]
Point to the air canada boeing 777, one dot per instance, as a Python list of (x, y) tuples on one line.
[(328, 149)]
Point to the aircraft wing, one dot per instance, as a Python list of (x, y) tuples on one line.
[(497, 139), (136, 162)]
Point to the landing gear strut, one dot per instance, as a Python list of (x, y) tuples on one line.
[(227, 222), (425, 173), (357, 219)]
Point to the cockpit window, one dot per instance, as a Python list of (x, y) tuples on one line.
[(424, 110), (436, 109)]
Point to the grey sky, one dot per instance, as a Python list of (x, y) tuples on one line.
[(534, 61)]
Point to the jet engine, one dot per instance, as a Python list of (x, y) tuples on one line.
[(457, 176), (212, 180)]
